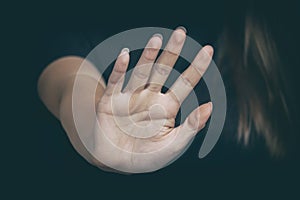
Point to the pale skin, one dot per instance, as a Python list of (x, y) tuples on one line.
[(134, 131)]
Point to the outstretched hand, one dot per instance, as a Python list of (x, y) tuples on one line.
[(136, 126)]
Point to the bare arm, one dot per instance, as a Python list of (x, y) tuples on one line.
[(55, 87)]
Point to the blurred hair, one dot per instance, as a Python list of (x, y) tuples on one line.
[(249, 50)]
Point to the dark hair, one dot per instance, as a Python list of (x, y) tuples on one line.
[(252, 58)]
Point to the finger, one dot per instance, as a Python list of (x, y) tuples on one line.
[(142, 70), (166, 60), (192, 125), (117, 76), (191, 76)]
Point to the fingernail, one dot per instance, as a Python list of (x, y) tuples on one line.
[(182, 28), (208, 107), (211, 106), (158, 35), (124, 51)]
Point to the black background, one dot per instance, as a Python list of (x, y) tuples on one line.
[(48, 167)]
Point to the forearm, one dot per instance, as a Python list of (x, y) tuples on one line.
[(55, 87), (57, 80)]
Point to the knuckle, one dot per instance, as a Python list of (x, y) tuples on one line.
[(174, 99), (186, 80), (150, 54), (162, 69), (199, 67), (154, 87), (115, 77), (140, 72)]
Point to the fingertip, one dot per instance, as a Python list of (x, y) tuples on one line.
[(156, 41), (205, 112), (158, 35), (124, 55), (122, 60), (124, 51), (182, 28), (208, 49), (179, 35), (207, 108), (210, 105)]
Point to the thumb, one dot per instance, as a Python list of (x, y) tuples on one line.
[(194, 123), (198, 118), (185, 132)]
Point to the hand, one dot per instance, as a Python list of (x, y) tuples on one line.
[(135, 131)]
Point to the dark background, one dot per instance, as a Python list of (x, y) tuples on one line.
[(40, 162)]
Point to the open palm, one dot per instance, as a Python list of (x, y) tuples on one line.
[(135, 131)]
